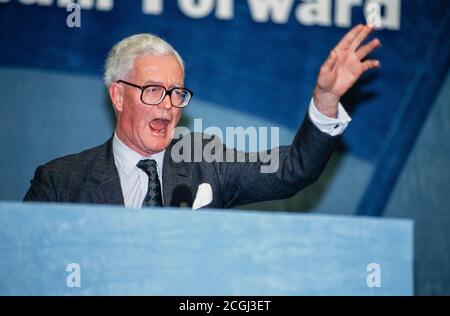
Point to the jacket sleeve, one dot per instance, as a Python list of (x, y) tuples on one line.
[(293, 168), (42, 187)]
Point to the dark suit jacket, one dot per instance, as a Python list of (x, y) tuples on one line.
[(92, 177)]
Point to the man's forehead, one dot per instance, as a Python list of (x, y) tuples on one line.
[(153, 62), (157, 69)]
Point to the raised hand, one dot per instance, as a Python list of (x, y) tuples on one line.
[(343, 68)]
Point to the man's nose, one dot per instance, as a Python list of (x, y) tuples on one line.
[(166, 103)]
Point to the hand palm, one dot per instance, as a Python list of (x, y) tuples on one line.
[(340, 79), (343, 68)]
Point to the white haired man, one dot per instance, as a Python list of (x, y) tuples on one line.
[(145, 78)]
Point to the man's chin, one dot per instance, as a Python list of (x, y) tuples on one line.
[(157, 141), (156, 146)]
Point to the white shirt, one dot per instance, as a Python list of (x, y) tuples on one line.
[(134, 181), (331, 126)]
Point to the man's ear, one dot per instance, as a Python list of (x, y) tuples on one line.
[(116, 95)]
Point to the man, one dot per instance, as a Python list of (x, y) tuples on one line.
[(135, 168)]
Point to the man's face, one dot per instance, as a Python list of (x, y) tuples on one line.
[(147, 129)]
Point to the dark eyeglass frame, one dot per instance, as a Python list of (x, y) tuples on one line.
[(166, 92)]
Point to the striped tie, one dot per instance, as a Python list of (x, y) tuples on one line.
[(153, 196)]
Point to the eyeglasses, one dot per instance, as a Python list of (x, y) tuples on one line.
[(155, 94)]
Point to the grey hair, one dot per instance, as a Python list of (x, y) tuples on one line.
[(121, 57)]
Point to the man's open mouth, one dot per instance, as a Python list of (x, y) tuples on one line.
[(158, 125)]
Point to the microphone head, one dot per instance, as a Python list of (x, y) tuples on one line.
[(182, 196)]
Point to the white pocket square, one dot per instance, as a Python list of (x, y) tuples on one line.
[(204, 196)]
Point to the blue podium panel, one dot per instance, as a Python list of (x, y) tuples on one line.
[(57, 249)]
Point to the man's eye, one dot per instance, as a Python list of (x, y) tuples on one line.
[(153, 89), (179, 93)]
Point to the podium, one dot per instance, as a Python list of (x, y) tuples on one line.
[(61, 249)]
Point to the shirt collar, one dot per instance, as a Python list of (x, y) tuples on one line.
[(126, 158)]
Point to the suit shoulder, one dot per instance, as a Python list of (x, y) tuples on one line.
[(75, 161), (64, 179)]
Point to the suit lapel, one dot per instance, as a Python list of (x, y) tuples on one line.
[(105, 178), (176, 181)]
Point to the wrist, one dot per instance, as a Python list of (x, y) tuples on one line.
[(326, 103)]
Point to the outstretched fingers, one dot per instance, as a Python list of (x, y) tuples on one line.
[(370, 64), (330, 62), (360, 37), (348, 39), (365, 50)]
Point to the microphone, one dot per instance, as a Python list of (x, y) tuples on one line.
[(182, 196)]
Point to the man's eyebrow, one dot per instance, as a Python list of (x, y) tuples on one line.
[(150, 82)]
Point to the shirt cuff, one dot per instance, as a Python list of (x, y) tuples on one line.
[(331, 126)]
